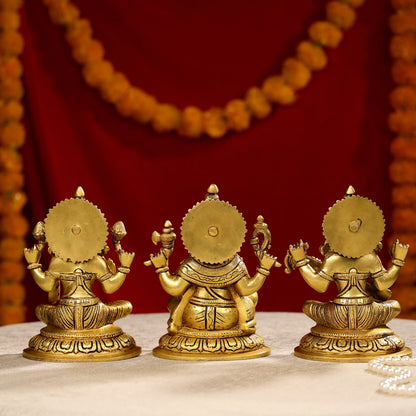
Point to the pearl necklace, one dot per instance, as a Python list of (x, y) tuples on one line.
[(399, 379)]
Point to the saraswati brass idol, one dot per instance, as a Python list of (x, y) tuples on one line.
[(213, 299), (79, 326), (352, 327)]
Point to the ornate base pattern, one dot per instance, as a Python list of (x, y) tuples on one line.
[(108, 343), (194, 345), (328, 344)]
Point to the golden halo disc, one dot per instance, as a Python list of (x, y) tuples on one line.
[(213, 231), (353, 226), (75, 230)]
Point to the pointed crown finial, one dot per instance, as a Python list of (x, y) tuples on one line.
[(79, 193), (213, 189), (350, 191), (212, 192)]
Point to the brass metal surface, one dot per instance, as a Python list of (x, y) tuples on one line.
[(75, 230), (352, 327), (213, 231), (79, 326), (213, 301), (353, 226)]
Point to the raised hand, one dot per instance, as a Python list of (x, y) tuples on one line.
[(398, 251), (32, 255)]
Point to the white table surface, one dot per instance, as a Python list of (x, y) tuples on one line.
[(280, 384)]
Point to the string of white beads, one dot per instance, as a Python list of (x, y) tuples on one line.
[(399, 377)]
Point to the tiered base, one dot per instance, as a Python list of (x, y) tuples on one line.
[(108, 343), (328, 344), (189, 344)]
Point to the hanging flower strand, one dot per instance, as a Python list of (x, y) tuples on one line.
[(13, 225), (192, 122), (402, 121)]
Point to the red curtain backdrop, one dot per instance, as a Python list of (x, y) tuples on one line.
[(290, 168)]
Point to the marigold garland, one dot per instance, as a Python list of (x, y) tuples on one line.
[(13, 225), (191, 122), (403, 148)]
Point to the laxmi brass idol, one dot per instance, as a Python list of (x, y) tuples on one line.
[(213, 299), (79, 326), (352, 327)]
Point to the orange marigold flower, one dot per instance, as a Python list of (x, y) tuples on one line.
[(403, 122), (9, 20), (63, 12), (277, 91), (129, 102), (403, 4), (402, 172), (12, 202), (402, 148), (403, 46), (11, 67), (355, 3), (257, 103), (404, 196), (295, 73), (403, 22), (13, 293), (12, 314), (11, 89), (192, 123), (146, 108), (10, 160), (325, 34), (12, 135), (97, 73), (404, 220), (114, 89), (14, 225), (215, 122), (11, 181), (403, 98), (237, 114), (11, 249), (11, 4), (12, 271), (166, 118), (90, 51), (11, 43), (79, 31), (10, 111), (404, 73), (312, 55), (340, 14)]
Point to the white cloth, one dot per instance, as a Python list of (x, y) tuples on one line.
[(280, 384)]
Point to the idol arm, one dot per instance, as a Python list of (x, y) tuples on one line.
[(310, 268), (172, 284), (314, 279), (388, 277), (45, 281), (113, 281), (247, 285)]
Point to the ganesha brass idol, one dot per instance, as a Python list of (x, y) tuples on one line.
[(352, 327), (213, 299), (79, 327)]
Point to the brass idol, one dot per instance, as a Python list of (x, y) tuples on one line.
[(352, 327), (213, 299), (79, 326)]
